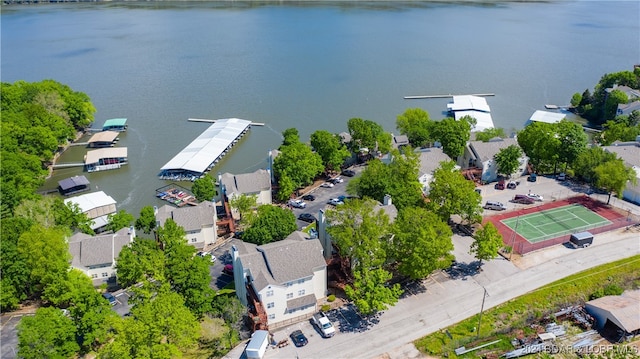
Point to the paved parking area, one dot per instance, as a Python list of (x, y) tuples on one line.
[(9, 335)]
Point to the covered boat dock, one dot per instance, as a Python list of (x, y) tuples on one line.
[(103, 139), (472, 106), (75, 184), (115, 124), (205, 151), (105, 159)]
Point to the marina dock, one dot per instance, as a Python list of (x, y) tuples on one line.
[(213, 121), (445, 96)]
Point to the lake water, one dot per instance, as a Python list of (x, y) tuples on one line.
[(310, 66)]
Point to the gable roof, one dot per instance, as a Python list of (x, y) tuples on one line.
[(400, 140), (104, 136), (430, 159), (92, 200), (278, 263), (630, 92), (627, 108), (94, 156), (485, 151), (469, 102), (190, 218), (88, 251), (74, 181), (244, 183)]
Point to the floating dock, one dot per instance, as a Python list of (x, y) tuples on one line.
[(213, 121), (445, 96)]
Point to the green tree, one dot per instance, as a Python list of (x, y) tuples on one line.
[(295, 163), (585, 164), (576, 99), (147, 220), (204, 188), (613, 176), (486, 243), (46, 255), (416, 124), (245, 205), (450, 193), (140, 260), (614, 98), (371, 292), (271, 224), (573, 139), (330, 148), (508, 159), (489, 133), (13, 266), (421, 243), (453, 135), (618, 131), (368, 134), (540, 143), (119, 220), (47, 334)]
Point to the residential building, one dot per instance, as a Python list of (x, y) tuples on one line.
[(632, 94), (430, 159), (284, 280), (97, 206), (96, 255), (629, 152), (625, 109), (257, 184), (481, 155), (199, 222), (399, 141)]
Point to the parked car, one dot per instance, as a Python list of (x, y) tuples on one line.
[(228, 269), (297, 203), (108, 296), (522, 199), (535, 197), (348, 173), (496, 206), (532, 177), (298, 338), (562, 177), (500, 185), (203, 254), (327, 185), (307, 217), (335, 202), (512, 184), (309, 197), (324, 325), (336, 180)]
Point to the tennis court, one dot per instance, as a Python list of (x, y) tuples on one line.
[(556, 222)]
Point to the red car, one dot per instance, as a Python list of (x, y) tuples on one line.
[(228, 269)]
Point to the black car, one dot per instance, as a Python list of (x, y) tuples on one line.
[(306, 217), (532, 177), (298, 338), (348, 173), (309, 197)]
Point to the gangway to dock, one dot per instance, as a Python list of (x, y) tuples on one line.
[(67, 165), (445, 96), (213, 121)]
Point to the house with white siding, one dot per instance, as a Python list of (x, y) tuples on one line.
[(285, 280), (199, 222), (629, 152), (430, 159), (96, 255), (481, 155)]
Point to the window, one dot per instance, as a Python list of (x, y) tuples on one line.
[(300, 281), (289, 295), (272, 316), (301, 292), (193, 240), (289, 284), (94, 276), (269, 293), (270, 305), (105, 274)]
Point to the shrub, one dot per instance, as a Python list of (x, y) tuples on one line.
[(610, 289), (331, 298), (325, 308)]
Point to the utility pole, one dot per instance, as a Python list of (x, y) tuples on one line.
[(484, 295)]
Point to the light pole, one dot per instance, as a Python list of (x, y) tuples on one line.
[(484, 295)]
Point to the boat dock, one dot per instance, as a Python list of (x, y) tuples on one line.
[(445, 96), (213, 121), (67, 165)]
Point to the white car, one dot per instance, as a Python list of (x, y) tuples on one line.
[(297, 203), (327, 185), (202, 254), (335, 202), (535, 197)]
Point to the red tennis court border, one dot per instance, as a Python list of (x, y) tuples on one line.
[(522, 246)]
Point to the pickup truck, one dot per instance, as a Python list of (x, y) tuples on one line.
[(323, 323)]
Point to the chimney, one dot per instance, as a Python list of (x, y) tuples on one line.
[(387, 200)]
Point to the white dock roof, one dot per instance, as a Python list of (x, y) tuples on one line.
[(207, 147), (483, 119), (546, 116), (94, 156), (92, 200), (469, 102)]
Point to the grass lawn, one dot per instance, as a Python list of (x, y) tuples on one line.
[(499, 322)]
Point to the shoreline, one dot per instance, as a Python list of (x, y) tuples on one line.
[(59, 153)]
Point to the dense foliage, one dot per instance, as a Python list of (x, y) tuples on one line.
[(204, 188), (368, 134), (417, 126), (330, 148), (271, 224), (37, 118), (508, 160), (450, 193), (296, 165)]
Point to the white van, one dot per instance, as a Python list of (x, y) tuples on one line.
[(496, 206)]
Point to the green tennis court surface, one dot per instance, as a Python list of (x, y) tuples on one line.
[(556, 222)]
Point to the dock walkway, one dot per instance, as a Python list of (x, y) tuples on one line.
[(213, 121), (445, 96)]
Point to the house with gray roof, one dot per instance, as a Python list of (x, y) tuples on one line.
[(480, 154), (97, 206), (287, 277), (199, 222), (257, 184), (96, 255), (430, 159), (625, 109), (629, 152), (399, 141)]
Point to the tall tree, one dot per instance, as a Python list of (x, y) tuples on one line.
[(450, 193), (486, 243), (140, 260), (489, 133), (272, 224), (421, 242), (13, 266), (619, 130), (47, 334), (453, 135), (586, 163), (416, 124), (147, 220), (371, 291), (540, 143), (330, 148), (368, 134), (204, 188), (296, 163), (508, 159), (573, 139), (119, 220), (613, 176), (614, 98), (245, 205)]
